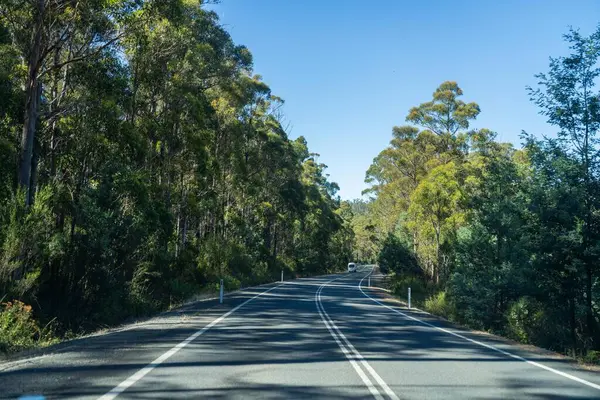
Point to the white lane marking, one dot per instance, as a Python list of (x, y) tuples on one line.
[(506, 353), (121, 387), (350, 351), (359, 356), (346, 352), (320, 283)]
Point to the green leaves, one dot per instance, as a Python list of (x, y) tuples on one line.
[(445, 115), (438, 197), (510, 237), (418, 179), (160, 164)]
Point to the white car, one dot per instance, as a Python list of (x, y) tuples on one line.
[(351, 267)]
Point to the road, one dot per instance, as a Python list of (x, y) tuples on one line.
[(322, 337)]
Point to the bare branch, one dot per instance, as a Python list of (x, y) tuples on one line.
[(84, 56)]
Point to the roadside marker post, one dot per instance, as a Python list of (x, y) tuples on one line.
[(221, 293), (409, 298), (281, 275), (369, 280)]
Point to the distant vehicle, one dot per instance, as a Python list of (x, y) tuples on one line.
[(351, 267)]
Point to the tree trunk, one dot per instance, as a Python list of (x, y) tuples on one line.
[(54, 109), (33, 181), (177, 230), (437, 263), (274, 254), (184, 233), (415, 244), (32, 98), (589, 263), (591, 320), (573, 327)]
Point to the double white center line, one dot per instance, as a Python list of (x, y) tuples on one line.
[(360, 365)]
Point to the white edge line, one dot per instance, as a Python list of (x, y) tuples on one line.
[(121, 387), (506, 353)]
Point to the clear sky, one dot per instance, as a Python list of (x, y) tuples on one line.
[(349, 70)]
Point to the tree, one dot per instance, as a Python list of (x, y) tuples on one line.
[(396, 256), (510, 235), (490, 253), (365, 239), (445, 115), (159, 161), (435, 212), (401, 169), (51, 36), (567, 98)]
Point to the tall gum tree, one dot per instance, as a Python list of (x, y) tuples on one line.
[(52, 35), (566, 96), (445, 114)]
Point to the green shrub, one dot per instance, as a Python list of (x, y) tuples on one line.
[(420, 289), (531, 321), (395, 256), (182, 290), (592, 357), (439, 304), (261, 274), (19, 330), (231, 283), (525, 320)]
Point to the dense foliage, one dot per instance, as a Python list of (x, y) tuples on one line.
[(142, 161), (509, 238)]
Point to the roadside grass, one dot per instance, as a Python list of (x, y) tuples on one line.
[(421, 291), (429, 297)]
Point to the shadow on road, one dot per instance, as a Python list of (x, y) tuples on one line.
[(271, 348)]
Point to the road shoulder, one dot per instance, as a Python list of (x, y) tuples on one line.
[(529, 351)]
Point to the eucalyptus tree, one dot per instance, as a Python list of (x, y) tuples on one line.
[(445, 114), (567, 96)]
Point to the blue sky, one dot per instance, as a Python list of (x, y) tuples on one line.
[(349, 70)]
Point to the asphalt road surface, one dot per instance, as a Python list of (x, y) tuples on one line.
[(327, 337)]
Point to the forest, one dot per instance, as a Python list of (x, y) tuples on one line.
[(141, 161), (491, 236)]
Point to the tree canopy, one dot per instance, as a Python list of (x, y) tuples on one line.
[(509, 235), (151, 162)]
